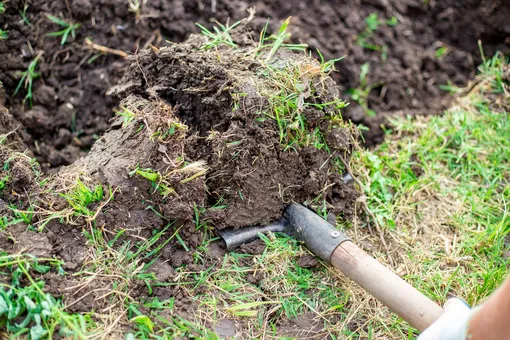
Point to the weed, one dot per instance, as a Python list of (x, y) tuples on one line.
[(3, 34), (275, 42), (27, 80), (81, 196), (361, 93), (220, 36), (26, 311), (24, 14), (127, 114), (136, 6), (68, 28), (2, 8)]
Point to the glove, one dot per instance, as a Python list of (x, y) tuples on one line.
[(452, 324)]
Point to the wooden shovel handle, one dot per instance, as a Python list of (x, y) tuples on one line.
[(404, 300)]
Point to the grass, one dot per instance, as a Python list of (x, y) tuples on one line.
[(360, 94), (136, 6), (435, 194), (127, 114), (436, 190), (161, 183), (291, 87), (440, 186), (220, 35), (23, 14), (291, 90), (27, 80), (68, 28), (25, 309)]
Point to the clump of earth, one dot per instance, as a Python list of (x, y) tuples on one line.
[(224, 135)]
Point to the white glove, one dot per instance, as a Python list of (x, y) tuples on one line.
[(452, 324)]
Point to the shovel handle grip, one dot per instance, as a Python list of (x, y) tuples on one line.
[(387, 287)]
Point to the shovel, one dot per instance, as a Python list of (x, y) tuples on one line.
[(335, 248)]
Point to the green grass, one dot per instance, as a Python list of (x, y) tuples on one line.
[(68, 28), (80, 197), (127, 114), (23, 14), (441, 52), (27, 80), (290, 91), (372, 24), (220, 35), (360, 94), (437, 190), (25, 310), (448, 175)]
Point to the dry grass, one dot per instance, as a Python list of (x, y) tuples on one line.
[(435, 195)]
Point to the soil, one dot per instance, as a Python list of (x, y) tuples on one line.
[(247, 171), (196, 126), (71, 109)]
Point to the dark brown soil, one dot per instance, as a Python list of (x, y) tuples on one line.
[(71, 109)]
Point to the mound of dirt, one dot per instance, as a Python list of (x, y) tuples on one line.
[(206, 123), (232, 133), (196, 146)]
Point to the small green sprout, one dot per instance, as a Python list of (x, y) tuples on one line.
[(2, 8), (327, 66), (24, 15), (68, 28), (392, 22), (135, 6), (220, 36), (441, 52), (127, 114), (81, 196), (27, 80), (3, 34), (360, 93), (158, 182), (373, 22), (274, 42)]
